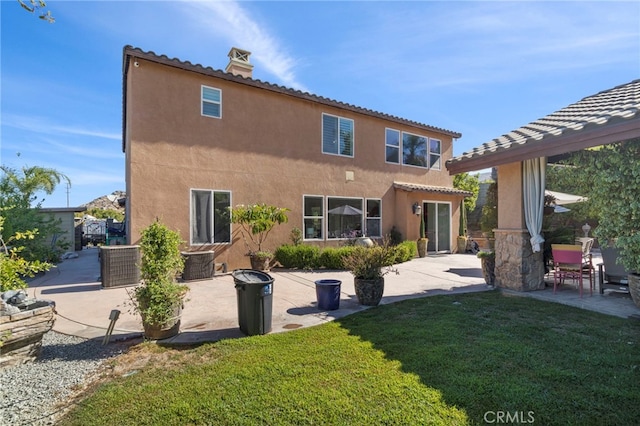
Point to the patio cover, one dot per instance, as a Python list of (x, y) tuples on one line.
[(609, 116)]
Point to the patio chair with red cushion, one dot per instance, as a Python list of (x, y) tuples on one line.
[(569, 262)]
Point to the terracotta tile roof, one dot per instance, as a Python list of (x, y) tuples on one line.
[(620, 104), (133, 52), (410, 187)]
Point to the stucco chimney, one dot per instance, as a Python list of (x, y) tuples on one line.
[(239, 63)]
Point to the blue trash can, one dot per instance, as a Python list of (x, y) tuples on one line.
[(328, 294)]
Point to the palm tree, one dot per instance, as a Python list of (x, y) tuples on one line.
[(20, 187)]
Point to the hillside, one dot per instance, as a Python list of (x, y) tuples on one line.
[(108, 202)]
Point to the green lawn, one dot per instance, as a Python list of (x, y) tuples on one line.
[(456, 359)]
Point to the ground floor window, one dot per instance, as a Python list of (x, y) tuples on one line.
[(344, 218), (210, 218), (334, 218), (374, 218), (313, 217)]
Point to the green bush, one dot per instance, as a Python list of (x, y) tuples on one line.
[(298, 256), (311, 257), (405, 251)]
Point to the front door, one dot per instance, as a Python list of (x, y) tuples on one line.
[(438, 221)]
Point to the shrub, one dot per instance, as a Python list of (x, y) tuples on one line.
[(405, 251), (395, 236), (158, 296), (333, 258), (298, 256)]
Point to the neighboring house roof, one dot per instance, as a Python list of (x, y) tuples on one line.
[(63, 209), (410, 187), (130, 52), (609, 116)]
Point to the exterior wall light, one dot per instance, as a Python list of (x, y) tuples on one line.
[(417, 209)]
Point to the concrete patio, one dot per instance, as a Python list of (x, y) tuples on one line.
[(83, 306)]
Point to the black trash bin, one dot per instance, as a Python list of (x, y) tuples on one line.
[(328, 294), (255, 300)]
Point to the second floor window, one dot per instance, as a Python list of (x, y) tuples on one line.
[(392, 146), (414, 150), (211, 102), (435, 151), (337, 135)]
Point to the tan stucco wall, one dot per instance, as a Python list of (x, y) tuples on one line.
[(510, 205), (266, 148)]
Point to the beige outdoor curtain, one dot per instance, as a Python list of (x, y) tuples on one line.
[(533, 184)]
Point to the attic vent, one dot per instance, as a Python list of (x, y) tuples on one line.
[(239, 63)]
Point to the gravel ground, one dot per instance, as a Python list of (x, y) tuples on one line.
[(32, 393)]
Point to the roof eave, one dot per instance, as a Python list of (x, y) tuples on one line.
[(570, 141), (130, 51)]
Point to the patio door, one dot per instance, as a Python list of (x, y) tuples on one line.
[(438, 221)]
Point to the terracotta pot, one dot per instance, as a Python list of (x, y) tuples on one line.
[(260, 263), (369, 292), (164, 331), (634, 288)]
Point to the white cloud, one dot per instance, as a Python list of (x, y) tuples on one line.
[(42, 125), (230, 20), (426, 45)]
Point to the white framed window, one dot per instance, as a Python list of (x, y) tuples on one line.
[(337, 135), (211, 102), (392, 146), (417, 151), (313, 219), (373, 217), (435, 153), (414, 150), (210, 217), (344, 217)]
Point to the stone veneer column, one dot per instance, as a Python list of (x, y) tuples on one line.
[(517, 266)]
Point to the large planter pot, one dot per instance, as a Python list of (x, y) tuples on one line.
[(462, 244), (260, 263), (21, 332), (422, 246), (488, 270), (163, 331), (634, 288), (369, 292)]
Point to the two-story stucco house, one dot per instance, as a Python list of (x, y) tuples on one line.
[(199, 140)]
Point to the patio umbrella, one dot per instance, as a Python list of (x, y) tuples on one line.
[(562, 198), (346, 210)]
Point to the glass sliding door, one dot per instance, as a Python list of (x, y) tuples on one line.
[(438, 221)]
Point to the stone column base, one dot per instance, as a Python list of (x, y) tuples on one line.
[(517, 266)]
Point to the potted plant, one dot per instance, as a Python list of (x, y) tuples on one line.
[(423, 240), (369, 265), (159, 298), (462, 230), (488, 262), (257, 221)]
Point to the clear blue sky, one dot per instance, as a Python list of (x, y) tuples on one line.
[(478, 68)]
